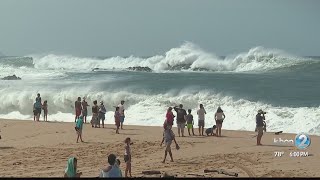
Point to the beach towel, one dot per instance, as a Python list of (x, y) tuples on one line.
[(70, 170)]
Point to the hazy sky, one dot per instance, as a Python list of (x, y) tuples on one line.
[(149, 27)]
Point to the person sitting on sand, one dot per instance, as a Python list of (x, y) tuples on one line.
[(45, 110), (168, 137), (78, 108), (84, 109), (219, 117), (190, 122), (117, 119), (170, 116), (95, 109), (71, 170), (113, 169), (260, 125), (127, 156), (101, 115), (79, 125), (181, 119), (201, 117)]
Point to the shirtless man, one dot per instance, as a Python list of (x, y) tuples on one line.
[(78, 108)]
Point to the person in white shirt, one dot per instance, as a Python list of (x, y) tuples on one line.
[(201, 117), (219, 117), (121, 110)]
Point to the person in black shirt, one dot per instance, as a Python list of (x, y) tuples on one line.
[(260, 125), (181, 119)]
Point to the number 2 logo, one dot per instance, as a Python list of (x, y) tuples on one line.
[(302, 141)]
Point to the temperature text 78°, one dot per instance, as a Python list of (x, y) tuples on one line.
[(278, 154)]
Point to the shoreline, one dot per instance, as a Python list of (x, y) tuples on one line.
[(30, 149)]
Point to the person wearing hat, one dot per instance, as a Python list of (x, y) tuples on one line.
[(260, 125), (102, 112), (181, 119), (84, 109), (121, 110)]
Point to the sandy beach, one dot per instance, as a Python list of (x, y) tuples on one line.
[(41, 149)]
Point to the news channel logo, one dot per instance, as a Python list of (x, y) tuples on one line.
[(302, 141)]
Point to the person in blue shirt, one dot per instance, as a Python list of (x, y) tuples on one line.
[(79, 125)]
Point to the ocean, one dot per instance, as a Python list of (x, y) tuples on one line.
[(284, 85)]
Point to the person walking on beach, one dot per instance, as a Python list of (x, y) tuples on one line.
[(38, 106), (117, 119), (71, 170), (79, 126), (201, 117), (168, 137), (121, 110), (84, 109), (170, 117), (78, 108), (45, 110), (127, 156), (260, 125), (190, 122), (219, 117), (95, 110), (102, 112), (181, 119)]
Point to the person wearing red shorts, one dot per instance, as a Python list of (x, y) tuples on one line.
[(78, 108)]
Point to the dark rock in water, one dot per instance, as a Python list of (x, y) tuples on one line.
[(13, 77), (200, 69), (94, 69), (139, 68)]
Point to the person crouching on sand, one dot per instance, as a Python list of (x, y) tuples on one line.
[(79, 125), (71, 170), (117, 119), (168, 137)]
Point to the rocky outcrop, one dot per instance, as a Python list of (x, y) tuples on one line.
[(139, 68), (13, 77)]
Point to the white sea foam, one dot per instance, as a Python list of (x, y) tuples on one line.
[(143, 109)]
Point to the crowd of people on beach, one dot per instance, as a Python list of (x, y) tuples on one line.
[(183, 119)]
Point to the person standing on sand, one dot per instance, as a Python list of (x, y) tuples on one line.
[(201, 117), (78, 108), (170, 117), (38, 106), (84, 109), (168, 137), (35, 112), (190, 122), (121, 110), (181, 119), (71, 170), (101, 115), (45, 110), (78, 128), (127, 156), (219, 117), (117, 119), (95, 110), (259, 125)]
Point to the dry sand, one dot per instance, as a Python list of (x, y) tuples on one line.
[(41, 149)]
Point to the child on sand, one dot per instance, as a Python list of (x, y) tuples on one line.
[(35, 113), (117, 119), (71, 170), (190, 122), (113, 169), (79, 125), (168, 137), (127, 156), (45, 110)]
